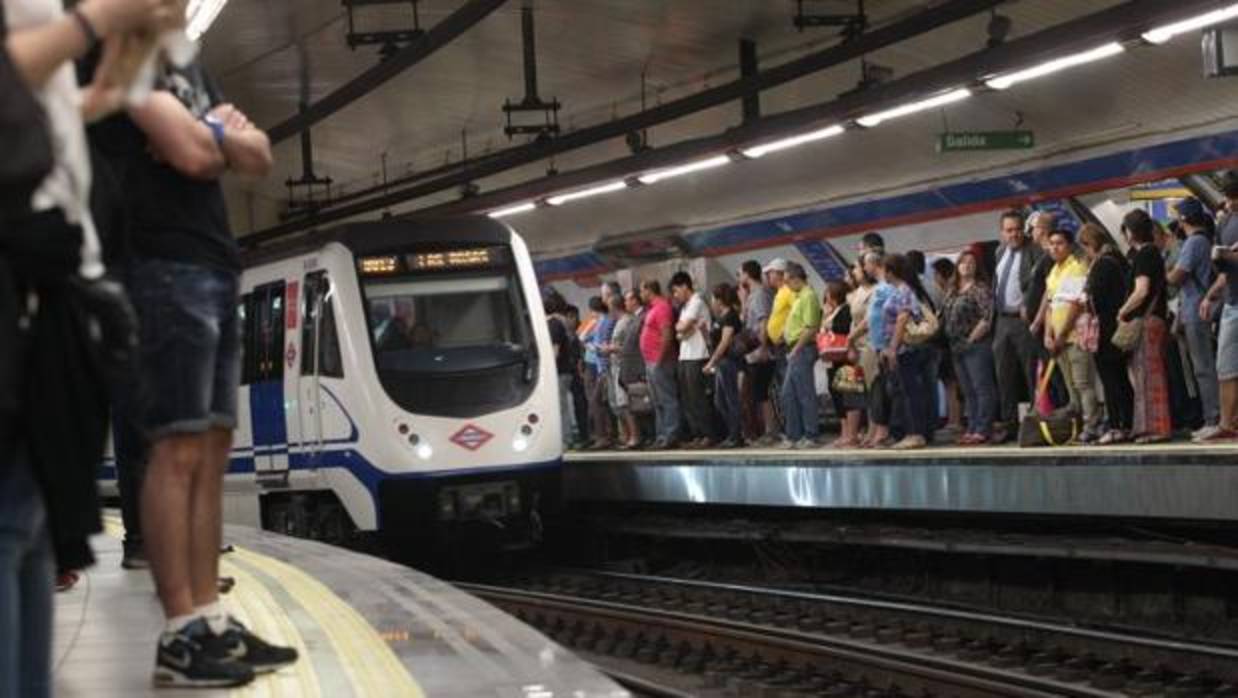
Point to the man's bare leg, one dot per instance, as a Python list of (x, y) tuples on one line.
[(166, 518), (207, 522)]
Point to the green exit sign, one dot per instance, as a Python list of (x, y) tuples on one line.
[(955, 141)]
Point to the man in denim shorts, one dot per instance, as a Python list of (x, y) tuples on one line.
[(183, 279), (1225, 257)]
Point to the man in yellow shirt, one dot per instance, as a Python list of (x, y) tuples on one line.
[(799, 392), (1064, 302), (775, 278)]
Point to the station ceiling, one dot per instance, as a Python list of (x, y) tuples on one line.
[(591, 55)]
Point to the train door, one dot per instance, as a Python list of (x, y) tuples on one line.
[(263, 371), (320, 357)]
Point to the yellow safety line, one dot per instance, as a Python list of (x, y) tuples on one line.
[(370, 662), (259, 609)]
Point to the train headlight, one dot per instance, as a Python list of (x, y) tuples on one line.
[(424, 452), (520, 443)]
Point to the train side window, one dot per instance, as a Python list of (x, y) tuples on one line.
[(319, 341), (262, 326), (249, 353)]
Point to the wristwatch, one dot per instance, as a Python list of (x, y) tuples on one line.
[(217, 128)]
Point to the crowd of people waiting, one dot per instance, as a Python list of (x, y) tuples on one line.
[(1133, 343)]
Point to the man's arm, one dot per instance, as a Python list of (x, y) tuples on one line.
[(185, 143), (1213, 294), (245, 146)]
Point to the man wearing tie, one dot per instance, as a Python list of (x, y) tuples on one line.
[(1014, 347)]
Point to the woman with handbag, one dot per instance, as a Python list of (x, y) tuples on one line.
[(967, 316), (1143, 331), (617, 397), (1106, 290), (905, 354), (832, 345)]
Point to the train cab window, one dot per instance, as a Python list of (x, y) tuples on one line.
[(262, 317), (452, 341), (320, 345)]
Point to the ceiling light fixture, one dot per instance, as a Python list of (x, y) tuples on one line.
[(706, 164), (586, 193), (1162, 34), (938, 101), (512, 210), (1001, 82), (199, 16), (757, 151)]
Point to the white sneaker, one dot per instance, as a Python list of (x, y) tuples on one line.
[(1205, 433), (804, 444)]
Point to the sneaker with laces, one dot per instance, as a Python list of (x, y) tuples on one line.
[(134, 559), (195, 658), (246, 647)]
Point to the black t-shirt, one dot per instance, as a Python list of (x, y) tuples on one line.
[(560, 339), (1036, 289), (1148, 262), (729, 319), (171, 216)]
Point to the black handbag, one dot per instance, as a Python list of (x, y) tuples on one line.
[(24, 138), (1057, 429)]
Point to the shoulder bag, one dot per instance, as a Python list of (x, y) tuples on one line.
[(922, 330), (1057, 429)]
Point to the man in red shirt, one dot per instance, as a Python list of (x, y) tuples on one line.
[(657, 342)]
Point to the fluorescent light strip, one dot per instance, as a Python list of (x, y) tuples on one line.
[(706, 164), (757, 151), (938, 101), (586, 193), (512, 210), (1003, 81), (1162, 34), (199, 16)]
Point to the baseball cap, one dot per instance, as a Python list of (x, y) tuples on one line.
[(1192, 211), (775, 264)]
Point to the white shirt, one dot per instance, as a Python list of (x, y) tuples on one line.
[(1014, 293), (694, 347), (67, 187)]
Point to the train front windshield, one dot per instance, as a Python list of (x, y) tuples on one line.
[(450, 330)]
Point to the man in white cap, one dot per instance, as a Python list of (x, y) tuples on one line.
[(784, 297)]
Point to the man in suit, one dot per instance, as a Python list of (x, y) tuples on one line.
[(1014, 347)]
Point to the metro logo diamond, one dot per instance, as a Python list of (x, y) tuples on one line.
[(471, 437)]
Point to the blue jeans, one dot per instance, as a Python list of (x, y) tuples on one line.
[(975, 369), (726, 397), (567, 410), (27, 573), (917, 391), (664, 393), (191, 345), (1204, 367), (799, 395)]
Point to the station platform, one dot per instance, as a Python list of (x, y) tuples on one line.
[(364, 627), (1174, 481)]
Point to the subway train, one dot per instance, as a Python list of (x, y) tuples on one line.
[(397, 379)]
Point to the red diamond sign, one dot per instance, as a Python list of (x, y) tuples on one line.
[(471, 437)]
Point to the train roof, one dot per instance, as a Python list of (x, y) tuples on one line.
[(369, 237)]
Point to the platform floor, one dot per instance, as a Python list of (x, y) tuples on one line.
[(1178, 481), (364, 628)]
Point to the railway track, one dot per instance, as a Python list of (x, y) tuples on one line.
[(672, 637)]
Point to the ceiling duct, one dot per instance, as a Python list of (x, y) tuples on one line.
[(644, 247)]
